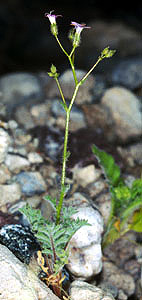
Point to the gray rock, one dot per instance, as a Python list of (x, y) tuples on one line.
[(124, 111), (31, 183), (5, 175), (84, 94), (9, 193), (16, 163), (128, 73), (18, 281), (4, 144), (117, 277), (18, 88), (80, 290), (85, 255)]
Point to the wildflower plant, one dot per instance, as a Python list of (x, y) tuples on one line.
[(54, 236), (126, 202)]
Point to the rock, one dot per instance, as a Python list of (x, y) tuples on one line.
[(124, 110), (86, 175), (117, 277), (24, 118), (5, 175), (9, 193), (4, 144), (85, 256), (20, 240), (99, 87), (35, 158), (84, 94), (18, 281), (31, 183), (16, 163), (80, 290), (132, 154), (128, 73), (18, 88)]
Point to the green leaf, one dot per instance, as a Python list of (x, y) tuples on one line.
[(111, 169), (137, 221)]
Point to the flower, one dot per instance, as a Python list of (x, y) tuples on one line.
[(78, 29), (52, 19)]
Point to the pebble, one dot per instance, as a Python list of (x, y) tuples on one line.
[(118, 278), (22, 88), (80, 290), (128, 73), (85, 255), (124, 110), (9, 193), (16, 163), (5, 174), (84, 94), (86, 175), (18, 281), (35, 158), (4, 144), (31, 183)]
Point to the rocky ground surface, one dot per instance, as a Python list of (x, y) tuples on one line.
[(107, 113)]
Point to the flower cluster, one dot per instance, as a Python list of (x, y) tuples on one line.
[(74, 35)]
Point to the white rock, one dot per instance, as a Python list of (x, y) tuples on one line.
[(85, 255), (18, 281), (35, 158), (125, 112), (16, 163), (85, 175), (9, 193), (80, 290), (4, 144)]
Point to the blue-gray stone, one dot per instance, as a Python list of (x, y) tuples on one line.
[(128, 73), (31, 183)]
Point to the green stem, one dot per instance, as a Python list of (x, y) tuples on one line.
[(90, 71), (68, 110), (62, 193), (69, 58), (61, 93)]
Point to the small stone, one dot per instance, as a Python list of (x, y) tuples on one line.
[(4, 144), (119, 278), (35, 158), (124, 109), (128, 73), (5, 175), (80, 290), (24, 117), (18, 88), (16, 163), (18, 281), (85, 256), (84, 94), (86, 175), (9, 193), (31, 183)]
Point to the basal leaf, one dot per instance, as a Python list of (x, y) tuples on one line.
[(136, 224), (111, 169)]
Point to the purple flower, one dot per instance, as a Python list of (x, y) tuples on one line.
[(52, 18), (79, 27)]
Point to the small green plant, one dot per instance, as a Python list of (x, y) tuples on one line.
[(126, 202), (54, 236)]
